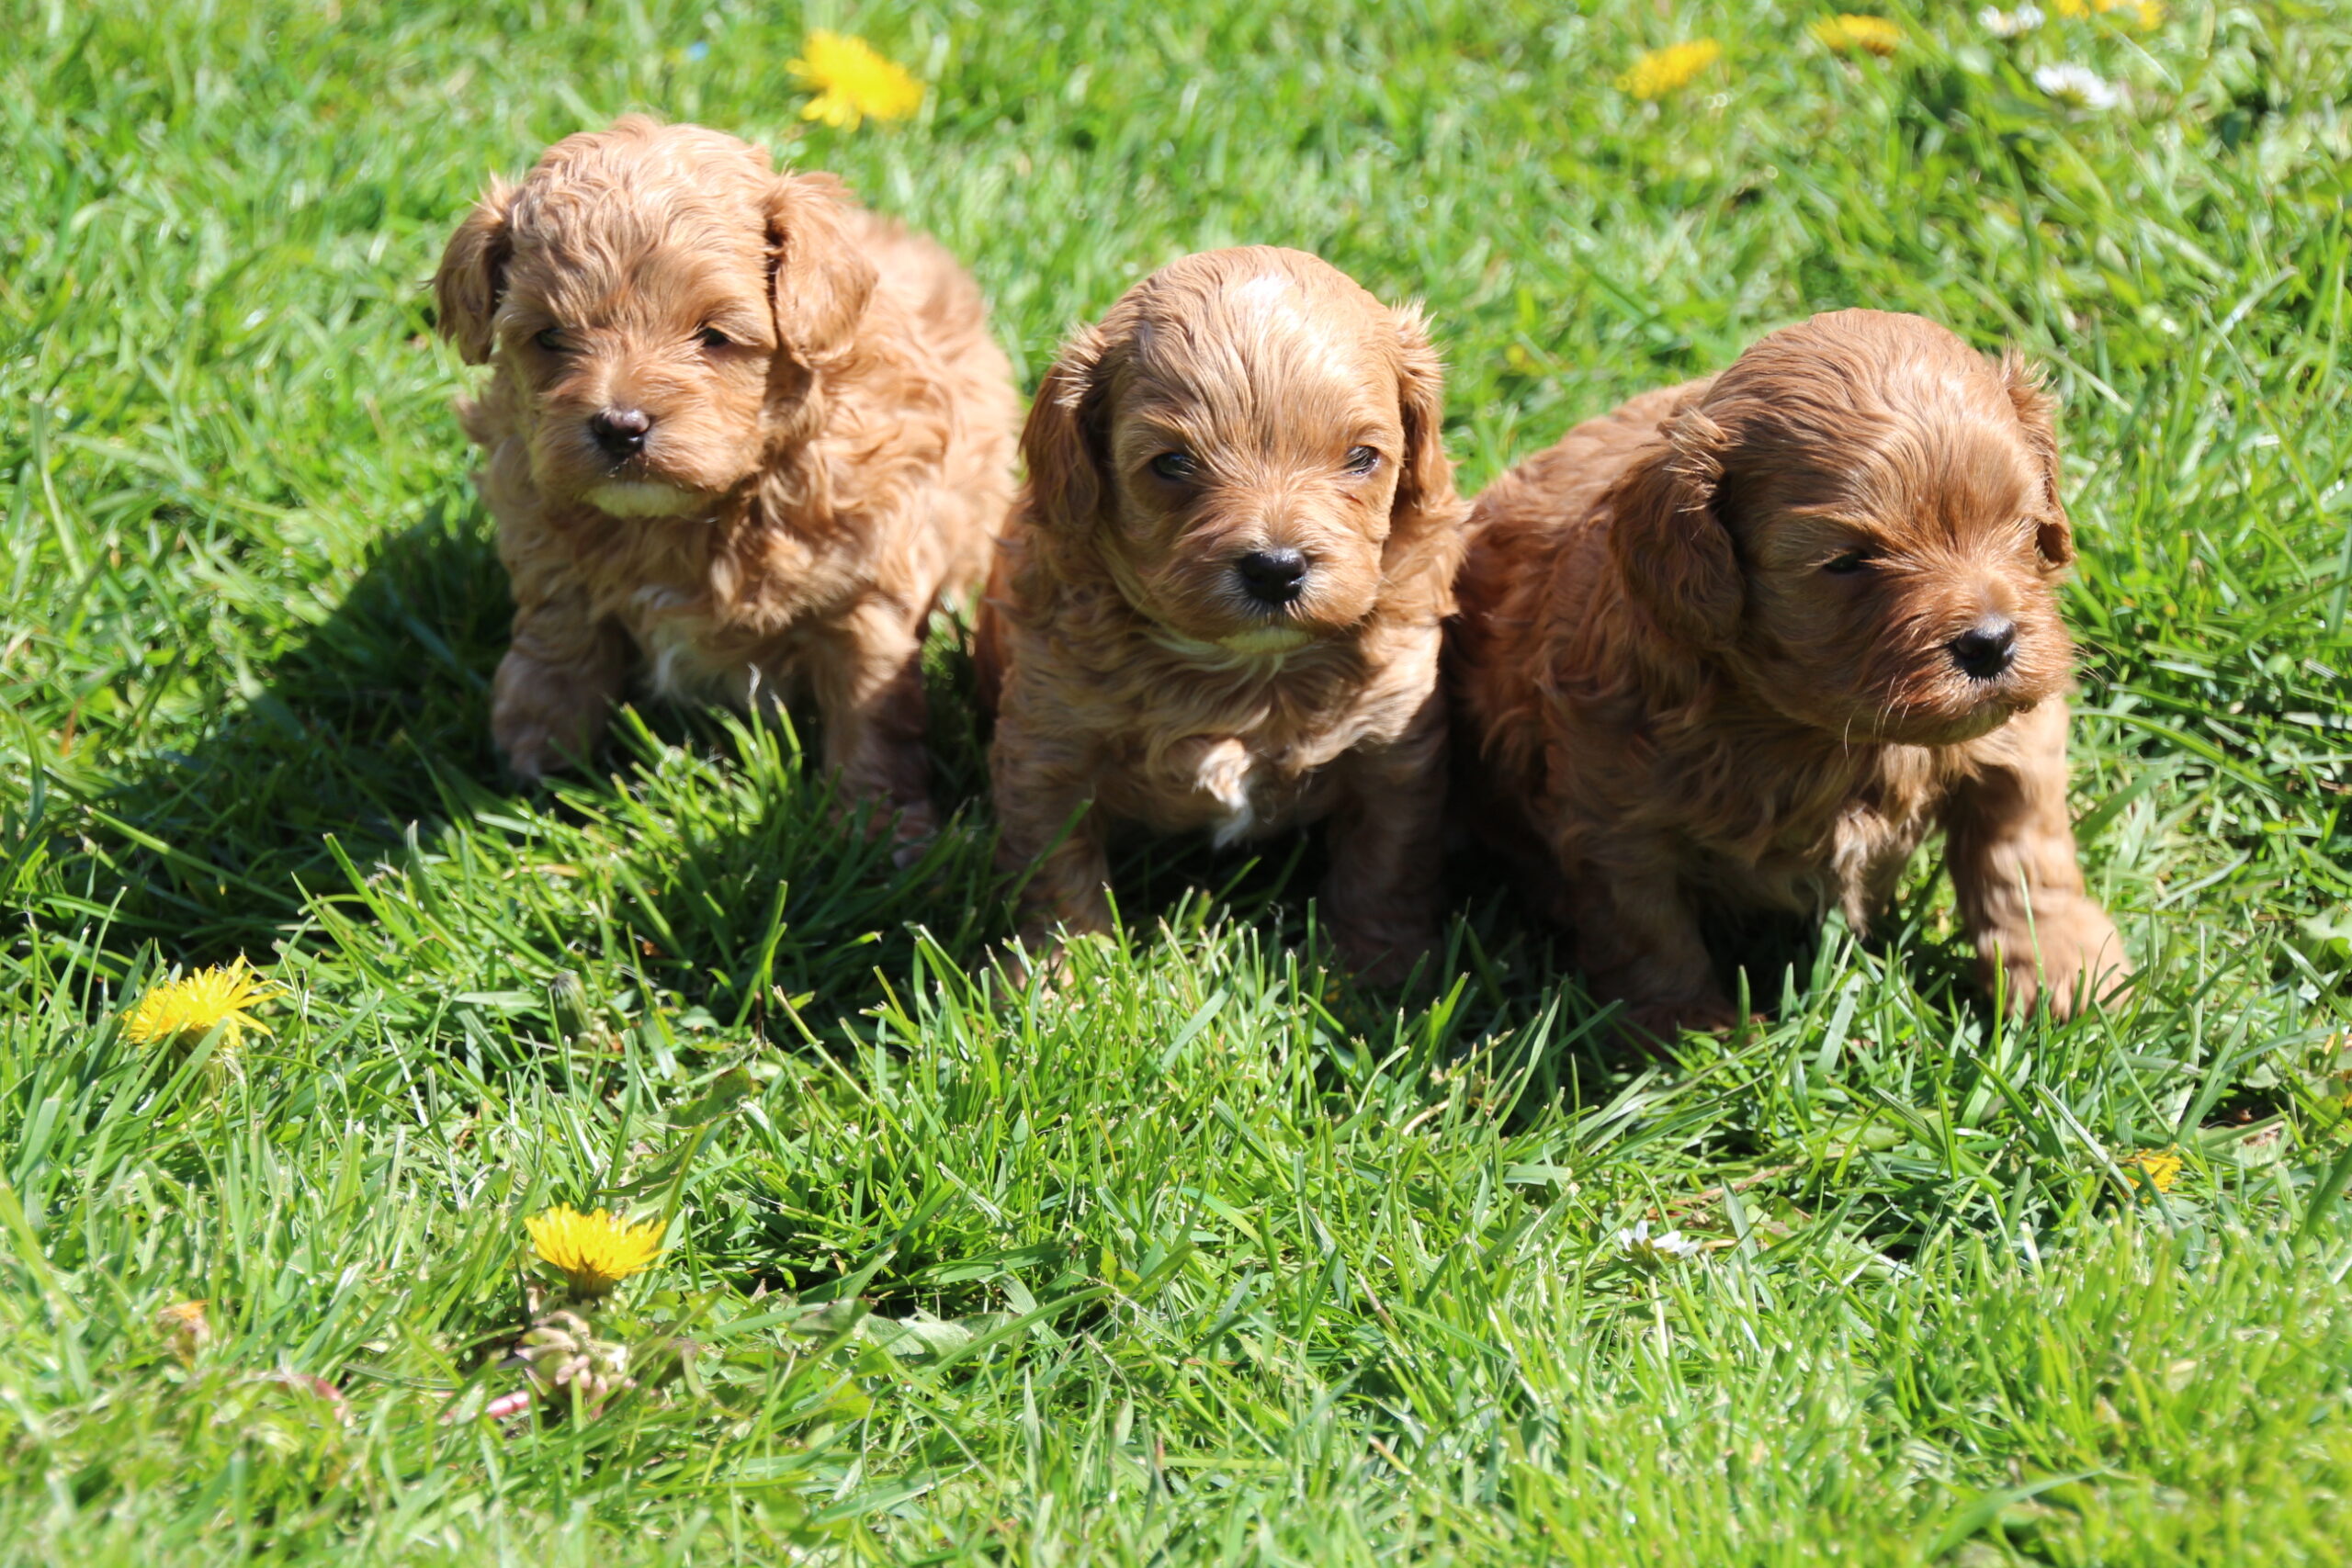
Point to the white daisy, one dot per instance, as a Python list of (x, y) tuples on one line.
[(2010, 24), (2077, 86), (1653, 1251)]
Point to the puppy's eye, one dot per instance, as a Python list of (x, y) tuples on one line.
[(1362, 459), (1177, 466), (711, 337), (1847, 564), (552, 340)]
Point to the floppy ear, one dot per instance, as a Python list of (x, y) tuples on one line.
[(1424, 478), (1670, 545), (2036, 409), (1059, 443), (819, 284), (473, 275)]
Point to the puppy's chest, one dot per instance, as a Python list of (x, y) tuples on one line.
[(1240, 782), (693, 651), (1219, 782), (1842, 848)]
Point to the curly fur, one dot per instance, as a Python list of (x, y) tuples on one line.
[(1137, 683), (830, 446), (1707, 649)]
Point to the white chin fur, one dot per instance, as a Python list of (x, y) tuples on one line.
[(636, 497)]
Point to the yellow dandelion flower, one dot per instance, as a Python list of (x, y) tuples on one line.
[(596, 1250), (1663, 71), (2148, 13), (1859, 35), (184, 1325), (2161, 1166), (192, 1004), (853, 82)]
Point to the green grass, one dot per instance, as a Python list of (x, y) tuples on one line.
[(1207, 1257)]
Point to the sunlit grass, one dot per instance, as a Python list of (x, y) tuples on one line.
[(1200, 1255)]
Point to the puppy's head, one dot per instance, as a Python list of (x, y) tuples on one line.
[(1861, 519), (659, 298), (1241, 444)]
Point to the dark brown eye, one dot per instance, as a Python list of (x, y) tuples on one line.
[(1362, 459), (553, 340), (1847, 564), (1177, 466), (711, 337)]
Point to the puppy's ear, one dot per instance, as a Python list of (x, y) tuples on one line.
[(2036, 411), (1059, 443), (473, 275), (1670, 545), (1424, 478), (819, 284)]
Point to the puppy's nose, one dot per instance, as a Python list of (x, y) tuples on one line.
[(620, 432), (1988, 649), (1271, 576)]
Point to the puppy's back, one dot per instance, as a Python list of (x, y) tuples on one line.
[(1535, 562)]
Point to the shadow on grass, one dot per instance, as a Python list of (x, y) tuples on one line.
[(360, 757), (732, 885), (354, 731)]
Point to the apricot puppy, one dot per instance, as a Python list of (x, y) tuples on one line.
[(741, 434), (1220, 603), (1744, 642)]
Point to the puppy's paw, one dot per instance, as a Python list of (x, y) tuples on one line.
[(912, 832), (543, 718), (1668, 1020), (1383, 956), (2081, 961)]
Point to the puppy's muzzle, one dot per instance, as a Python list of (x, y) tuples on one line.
[(1985, 650), (1272, 578), (619, 432)]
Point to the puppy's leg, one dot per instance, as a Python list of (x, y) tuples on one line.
[(867, 667), (2020, 886), (557, 684), (1386, 841), (1638, 942), (1047, 829)]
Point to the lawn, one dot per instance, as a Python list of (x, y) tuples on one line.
[(1209, 1255)]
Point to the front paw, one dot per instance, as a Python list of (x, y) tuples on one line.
[(2070, 958), (544, 718), (1383, 956), (912, 831), (1666, 1019)]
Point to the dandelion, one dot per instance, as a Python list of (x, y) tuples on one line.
[(593, 1251), (193, 1004), (1859, 35), (183, 1322), (2077, 86), (562, 1355), (2010, 24), (2161, 1166), (853, 82), (2148, 13), (1666, 1246), (1663, 71)]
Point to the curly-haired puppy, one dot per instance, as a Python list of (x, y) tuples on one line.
[(1742, 643), (741, 434), (1221, 601)]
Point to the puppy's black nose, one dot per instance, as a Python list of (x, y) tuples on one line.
[(1988, 649), (620, 432), (1271, 576)]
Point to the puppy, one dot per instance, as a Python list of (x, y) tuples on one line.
[(1219, 606), (741, 434), (1742, 643)]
